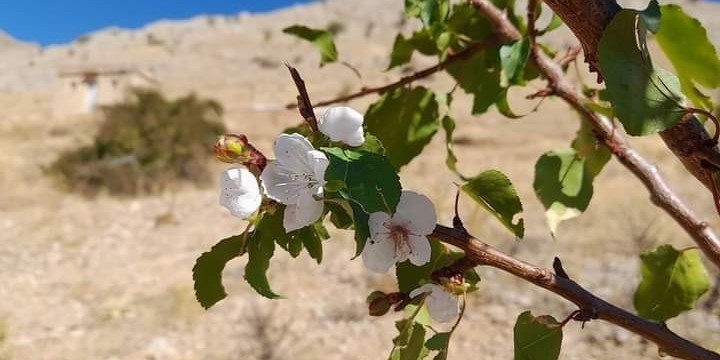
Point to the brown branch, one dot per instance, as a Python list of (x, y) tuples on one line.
[(688, 139), (660, 193), (452, 58), (484, 254)]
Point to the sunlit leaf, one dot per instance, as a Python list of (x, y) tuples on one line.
[(448, 124), (362, 230), (563, 185), (537, 338), (504, 107), (260, 248), (322, 39), (672, 282), (405, 121), (513, 58), (495, 192), (697, 62), (587, 147), (645, 99), (401, 52), (479, 76), (439, 342)]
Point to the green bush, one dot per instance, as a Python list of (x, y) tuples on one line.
[(143, 146)]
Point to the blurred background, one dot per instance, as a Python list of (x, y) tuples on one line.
[(109, 194)]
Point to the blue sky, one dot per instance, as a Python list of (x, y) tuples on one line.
[(61, 21)]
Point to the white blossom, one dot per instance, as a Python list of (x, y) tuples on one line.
[(402, 236), (342, 123), (296, 178), (239, 192), (442, 305)]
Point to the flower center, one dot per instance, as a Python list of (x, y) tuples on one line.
[(400, 237)]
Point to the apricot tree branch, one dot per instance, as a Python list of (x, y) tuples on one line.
[(688, 140), (452, 58), (660, 193), (480, 253)]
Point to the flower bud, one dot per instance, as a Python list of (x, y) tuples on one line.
[(237, 150), (378, 303)]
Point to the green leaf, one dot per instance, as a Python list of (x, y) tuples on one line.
[(401, 52), (563, 185), (537, 338), (590, 150), (260, 248), (555, 22), (370, 179), (672, 282), (410, 342), (479, 76), (440, 343), (448, 124), (466, 20), (698, 62), (495, 192), (504, 107), (312, 239), (372, 144), (424, 42), (322, 39), (340, 213), (513, 58), (645, 99), (362, 229), (404, 120), (207, 272)]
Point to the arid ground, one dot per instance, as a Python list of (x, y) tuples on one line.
[(110, 278)]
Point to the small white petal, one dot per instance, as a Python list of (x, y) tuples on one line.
[(426, 288), (442, 305), (239, 192), (376, 223), (341, 123), (305, 212), (420, 250), (416, 213), (319, 163), (291, 151), (378, 254), (357, 138)]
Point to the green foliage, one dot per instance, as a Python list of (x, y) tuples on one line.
[(207, 272), (479, 76), (362, 230), (404, 120), (401, 53), (672, 282), (494, 191), (563, 184), (410, 342), (321, 39), (260, 249), (513, 58), (144, 146), (537, 338), (646, 99), (590, 150), (370, 180), (448, 124), (697, 63), (440, 343)]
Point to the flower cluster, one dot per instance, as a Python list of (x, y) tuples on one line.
[(296, 178)]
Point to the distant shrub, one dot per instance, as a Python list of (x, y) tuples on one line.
[(335, 28), (153, 40), (143, 146)]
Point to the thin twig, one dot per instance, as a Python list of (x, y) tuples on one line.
[(483, 254), (660, 193), (452, 58)]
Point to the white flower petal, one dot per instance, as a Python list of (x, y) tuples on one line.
[(341, 123), (419, 253), (291, 151), (278, 186), (378, 254), (319, 163), (376, 223), (357, 138), (305, 212), (239, 192), (416, 213), (442, 305), (426, 288)]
